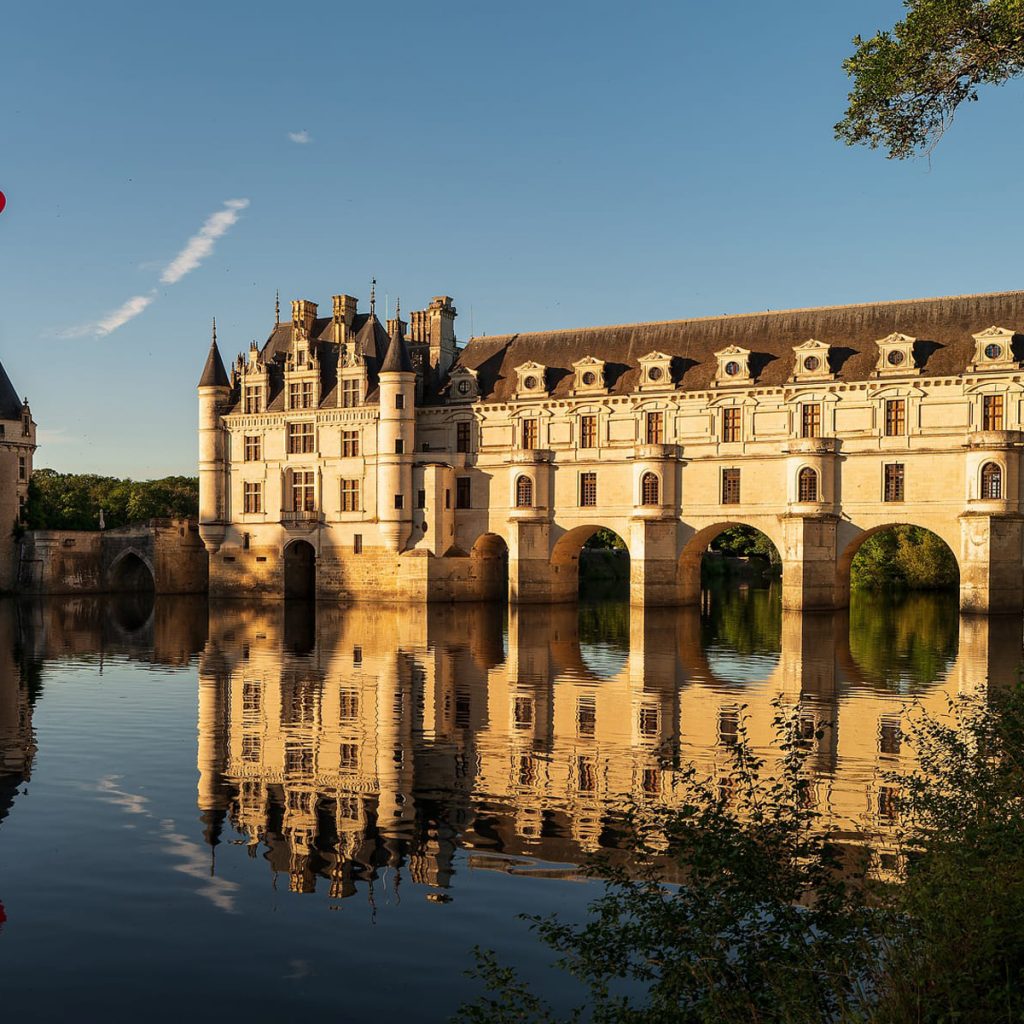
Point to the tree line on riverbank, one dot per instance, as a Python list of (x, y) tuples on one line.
[(72, 501)]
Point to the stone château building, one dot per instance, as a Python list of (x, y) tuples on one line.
[(357, 460), (17, 446)]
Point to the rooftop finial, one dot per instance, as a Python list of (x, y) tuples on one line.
[(373, 296), (215, 330), (277, 306), (398, 309)]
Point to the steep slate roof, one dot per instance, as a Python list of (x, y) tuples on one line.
[(397, 360), (942, 326), (10, 403), (214, 374)]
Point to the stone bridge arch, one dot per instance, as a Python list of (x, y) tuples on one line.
[(131, 570), (699, 540)]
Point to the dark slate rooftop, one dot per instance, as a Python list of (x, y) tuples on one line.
[(943, 327), (10, 403), (214, 374)]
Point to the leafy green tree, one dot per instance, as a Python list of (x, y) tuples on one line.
[(904, 557), (746, 542), (909, 82)]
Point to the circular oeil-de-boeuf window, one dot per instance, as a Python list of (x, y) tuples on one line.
[(811, 363), (463, 387), (732, 368), (530, 383), (895, 358), (654, 373), (589, 378), (993, 351)]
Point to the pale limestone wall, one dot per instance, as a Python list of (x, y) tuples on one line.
[(380, 704), (942, 450), (17, 450)]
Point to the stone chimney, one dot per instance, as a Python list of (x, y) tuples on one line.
[(303, 316), (435, 326), (345, 307)]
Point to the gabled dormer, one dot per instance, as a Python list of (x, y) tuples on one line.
[(811, 361), (896, 356), (733, 366), (993, 350), (463, 385), (655, 372), (589, 377), (530, 380)]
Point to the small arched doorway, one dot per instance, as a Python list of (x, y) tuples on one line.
[(131, 575), (300, 571)]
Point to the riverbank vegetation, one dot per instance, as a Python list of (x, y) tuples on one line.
[(72, 501), (904, 557), (782, 919)]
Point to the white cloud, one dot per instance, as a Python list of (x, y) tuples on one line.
[(131, 309), (300, 137), (201, 244)]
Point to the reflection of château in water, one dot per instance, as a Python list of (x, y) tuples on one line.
[(373, 737), (18, 692)]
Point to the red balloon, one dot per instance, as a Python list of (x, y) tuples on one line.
[(3, 202)]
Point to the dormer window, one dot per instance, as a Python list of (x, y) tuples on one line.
[(463, 386), (810, 361), (733, 365), (896, 356), (655, 371), (589, 376), (531, 381), (993, 350)]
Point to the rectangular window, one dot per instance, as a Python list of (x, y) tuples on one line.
[(350, 393), (421, 499), (447, 497), (810, 419), (890, 736), (349, 443), (253, 398), (253, 448), (529, 434), (731, 423), (303, 491), (22, 468), (588, 431), (463, 496), (895, 417), (348, 705), (655, 428), (357, 544), (252, 497), (462, 436), (728, 727), (399, 401), (399, 501), (649, 720), (399, 446), (893, 490), (992, 412), (588, 490), (307, 394), (586, 716), (294, 396), (730, 486), (349, 495), (300, 438), (522, 712)]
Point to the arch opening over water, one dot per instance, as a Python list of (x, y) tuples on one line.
[(596, 559), (300, 571), (729, 551), (131, 574), (490, 566)]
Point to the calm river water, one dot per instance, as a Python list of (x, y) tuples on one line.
[(272, 812)]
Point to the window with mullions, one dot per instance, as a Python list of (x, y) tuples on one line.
[(349, 443), (588, 431), (991, 481), (892, 489), (253, 448), (732, 423), (462, 436), (992, 412), (524, 492), (655, 432), (895, 417), (730, 486), (529, 434), (349, 495), (303, 491), (253, 399), (252, 498), (300, 438), (807, 485), (650, 489), (810, 419), (588, 490), (350, 393)]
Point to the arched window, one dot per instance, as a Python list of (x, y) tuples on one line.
[(524, 492), (807, 484), (991, 481), (649, 489)]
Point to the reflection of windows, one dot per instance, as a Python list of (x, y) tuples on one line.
[(252, 698), (651, 781), (728, 727), (522, 712), (586, 716), (348, 705), (251, 748), (298, 703), (527, 770), (298, 759), (586, 776), (806, 727), (890, 736), (348, 757), (649, 720), (462, 710), (888, 803)]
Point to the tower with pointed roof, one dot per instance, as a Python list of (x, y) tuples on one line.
[(397, 441), (214, 393), (17, 448)]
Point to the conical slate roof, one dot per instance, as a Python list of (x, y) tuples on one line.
[(10, 403), (397, 359), (214, 374)]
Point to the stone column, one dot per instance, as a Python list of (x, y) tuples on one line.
[(809, 562), (653, 575), (991, 563)]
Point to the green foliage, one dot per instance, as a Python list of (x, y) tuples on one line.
[(774, 923), (745, 622), (909, 82), (605, 539), (904, 557), (72, 501), (746, 542)]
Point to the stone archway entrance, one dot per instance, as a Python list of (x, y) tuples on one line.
[(130, 574), (300, 571)]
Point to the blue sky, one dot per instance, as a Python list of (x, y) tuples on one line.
[(547, 164)]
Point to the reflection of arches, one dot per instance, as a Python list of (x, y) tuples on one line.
[(490, 565), (131, 573), (845, 560), (688, 567), (604, 567), (300, 570)]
